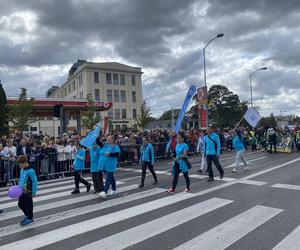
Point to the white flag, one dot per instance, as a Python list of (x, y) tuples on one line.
[(252, 117)]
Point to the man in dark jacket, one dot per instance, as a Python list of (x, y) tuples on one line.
[(23, 148)]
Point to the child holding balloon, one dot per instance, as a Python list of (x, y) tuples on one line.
[(28, 183)]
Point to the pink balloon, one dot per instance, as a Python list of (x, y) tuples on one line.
[(15, 192)]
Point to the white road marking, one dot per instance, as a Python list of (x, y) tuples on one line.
[(63, 233), (291, 242), (286, 186), (66, 202), (15, 228), (145, 231), (250, 161), (227, 233)]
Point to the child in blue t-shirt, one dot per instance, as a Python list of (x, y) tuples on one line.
[(28, 182), (78, 167)]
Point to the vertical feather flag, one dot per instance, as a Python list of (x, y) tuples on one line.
[(91, 137), (191, 92)]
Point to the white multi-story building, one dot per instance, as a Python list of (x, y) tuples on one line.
[(106, 82)]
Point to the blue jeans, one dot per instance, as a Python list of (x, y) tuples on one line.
[(110, 180), (9, 168)]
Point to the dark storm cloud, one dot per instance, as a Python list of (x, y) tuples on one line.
[(164, 37)]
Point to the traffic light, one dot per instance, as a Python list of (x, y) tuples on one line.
[(57, 110)]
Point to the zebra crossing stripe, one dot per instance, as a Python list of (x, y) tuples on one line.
[(140, 233), (291, 242), (227, 233), (40, 185), (51, 190), (217, 178), (286, 186), (251, 182), (15, 228), (63, 233), (66, 202), (249, 161), (13, 203)]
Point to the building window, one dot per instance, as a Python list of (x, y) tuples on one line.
[(134, 114), (133, 80), (117, 114), (133, 96), (108, 78), (123, 96), (116, 96), (96, 77), (109, 95), (110, 114), (118, 127), (65, 92), (97, 95), (80, 80), (73, 85), (124, 126), (69, 89), (123, 113), (122, 79), (116, 79)]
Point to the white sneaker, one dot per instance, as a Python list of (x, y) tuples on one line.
[(102, 194), (112, 192), (246, 168), (234, 170)]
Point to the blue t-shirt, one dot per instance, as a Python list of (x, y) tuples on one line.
[(94, 155), (79, 160), (180, 148), (109, 163)]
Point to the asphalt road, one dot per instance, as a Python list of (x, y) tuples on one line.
[(257, 208)]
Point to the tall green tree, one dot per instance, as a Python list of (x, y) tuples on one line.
[(3, 112), (225, 107), (90, 117), (21, 113), (167, 115), (145, 117), (268, 121)]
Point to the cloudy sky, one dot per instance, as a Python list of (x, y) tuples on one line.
[(40, 39)]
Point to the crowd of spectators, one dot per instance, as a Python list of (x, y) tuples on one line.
[(52, 157)]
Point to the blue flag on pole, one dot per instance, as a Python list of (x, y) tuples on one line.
[(91, 137), (191, 92)]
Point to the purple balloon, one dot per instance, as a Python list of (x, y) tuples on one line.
[(15, 192)]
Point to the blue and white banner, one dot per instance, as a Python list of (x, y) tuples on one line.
[(191, 92), (89, 140), (252, 117)]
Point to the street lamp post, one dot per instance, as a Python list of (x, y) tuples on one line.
[(204, 67), (251, 96)]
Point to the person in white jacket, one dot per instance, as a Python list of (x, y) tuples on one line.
[(71, 154), (9, 155), (200, 149)]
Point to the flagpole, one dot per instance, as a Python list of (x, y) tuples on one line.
[(236, 126)]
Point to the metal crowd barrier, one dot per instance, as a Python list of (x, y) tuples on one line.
[(47, 166)]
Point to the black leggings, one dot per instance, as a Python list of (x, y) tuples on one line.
[(98, 181), (78, 178), (144, 168), (26, 205), (213, 159), (176, 175)]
